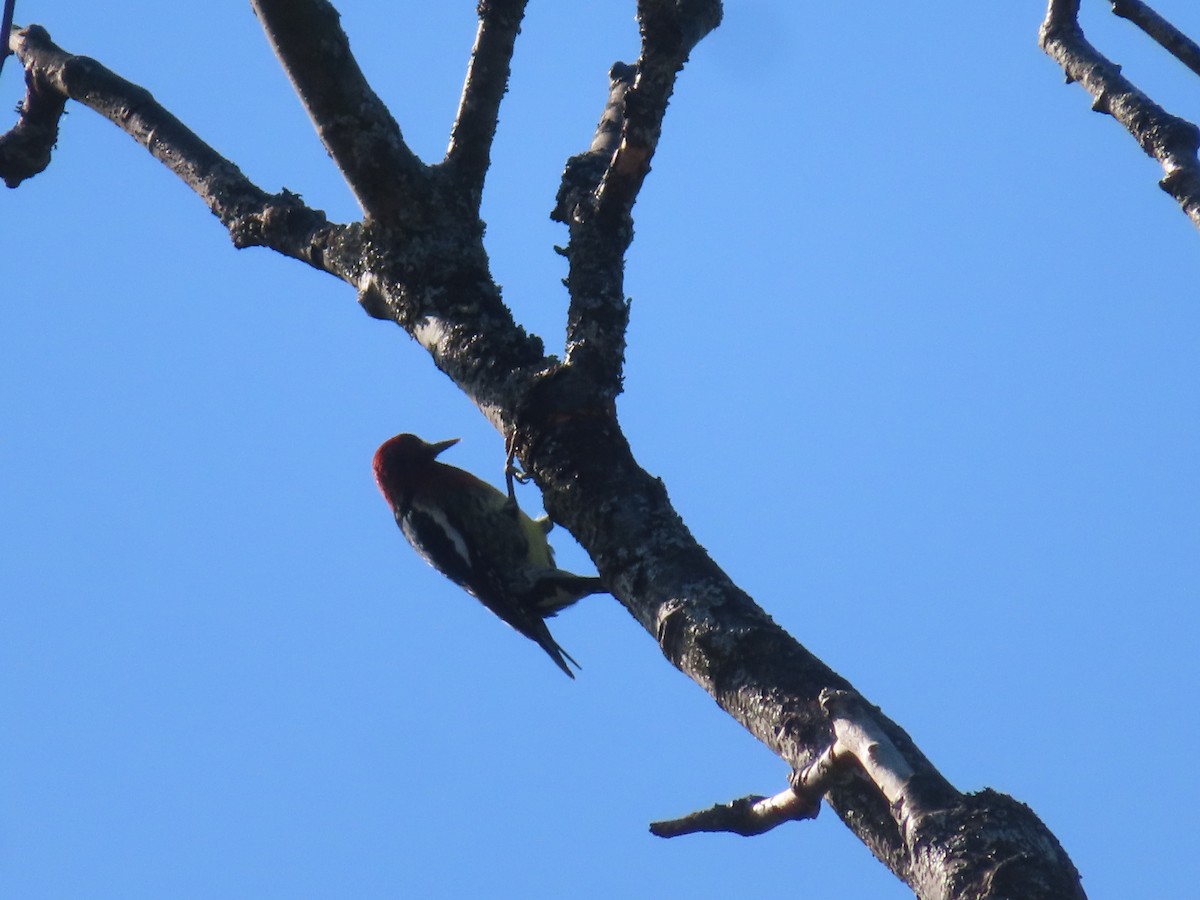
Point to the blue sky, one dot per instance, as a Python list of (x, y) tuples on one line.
[(914, 347)]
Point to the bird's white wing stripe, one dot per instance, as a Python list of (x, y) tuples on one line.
[(451, 534)]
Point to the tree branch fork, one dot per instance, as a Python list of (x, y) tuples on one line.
[(417, 258), (1172, 141), (857, 740)]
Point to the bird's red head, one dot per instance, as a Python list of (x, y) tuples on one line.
[(400, 459)]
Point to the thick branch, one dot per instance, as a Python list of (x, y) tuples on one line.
[(761, 676), (469, 154), (1167, 138), (253, 217), (388, 180), (1167, 35)]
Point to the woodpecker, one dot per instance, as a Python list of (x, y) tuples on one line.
[(479, 538)]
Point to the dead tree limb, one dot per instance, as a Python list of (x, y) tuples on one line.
[(1170, 38), (417, 258), (1169, 139)]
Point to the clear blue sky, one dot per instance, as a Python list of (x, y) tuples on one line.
[(915, 347)]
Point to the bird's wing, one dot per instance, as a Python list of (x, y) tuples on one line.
[(438, 542), (436, 536), (441, 542)]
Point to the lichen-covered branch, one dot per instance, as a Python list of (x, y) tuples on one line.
[(598, 315), (358, 130), (469, 155), (1169, 139), (1170, 38)]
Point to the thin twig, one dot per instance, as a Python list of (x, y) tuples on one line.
[(1170, 38), (747, 816)]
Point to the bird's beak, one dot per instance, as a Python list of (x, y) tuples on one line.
[(443, 445)]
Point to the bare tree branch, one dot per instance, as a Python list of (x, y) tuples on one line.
[(598, 315), (599, 187), (561, 420), (747, 816), (26, 148), (858, 740), (388, 180), (254, 217), (1167, 35), (761, 676), (670, 29), (6, 20), (469, 155), (1167, 138)]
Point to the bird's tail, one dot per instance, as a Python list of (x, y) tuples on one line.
[(546, 641), (557, 589)]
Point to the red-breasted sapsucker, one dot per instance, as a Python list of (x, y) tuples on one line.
[(478, 538)]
